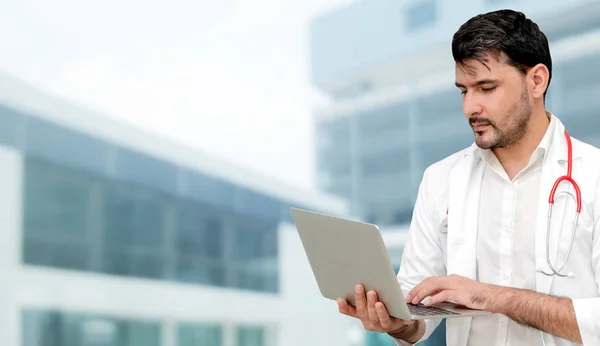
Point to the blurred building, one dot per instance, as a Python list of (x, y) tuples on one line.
[(113, 237), (386, 67)]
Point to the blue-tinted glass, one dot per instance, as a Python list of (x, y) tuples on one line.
[(403, 216), (386, 162), (252, 203), (254, 240), (250, 336), (59, 254), (65, 146), (199, 335), (421, 14), (150, 223), (286, 215), (199, 241), (9, 124), (55, 209), (134, 225), (146, 170), (116, 261), (53, 328), (41, 328), (56, 202), (131, 220), (255, 256), (199, 270), (198, 232), (119, 215), (64, 207), (138, 333), (204, 188), (147, 264)]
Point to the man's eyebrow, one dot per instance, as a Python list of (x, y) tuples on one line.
[(479, 82)]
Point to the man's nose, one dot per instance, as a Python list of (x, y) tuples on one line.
[(471, 106)]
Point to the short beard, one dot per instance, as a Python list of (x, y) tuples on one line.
[(518, 116)]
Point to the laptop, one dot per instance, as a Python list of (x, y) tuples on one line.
[(343, 253)]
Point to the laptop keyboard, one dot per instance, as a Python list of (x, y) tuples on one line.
[(422, 310)]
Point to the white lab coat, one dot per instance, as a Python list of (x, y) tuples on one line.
[(453, 184)]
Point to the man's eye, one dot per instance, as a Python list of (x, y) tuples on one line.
[(488, 89)]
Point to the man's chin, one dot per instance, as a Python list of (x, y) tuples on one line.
[(484, 143)]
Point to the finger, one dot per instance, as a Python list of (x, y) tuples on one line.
[(383, 316), (426, 292), (441, 296), (427, 289), (361, 302), (371, 300), (412, 293), (346, 308)]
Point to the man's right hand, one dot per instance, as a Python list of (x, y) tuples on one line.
[(374, 317)]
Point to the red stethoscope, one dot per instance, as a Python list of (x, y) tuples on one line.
[(577, 197), (568, 178)]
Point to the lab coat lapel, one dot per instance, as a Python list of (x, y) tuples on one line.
[(463, 210)]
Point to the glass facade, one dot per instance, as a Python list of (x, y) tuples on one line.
[(250, 336), (199, 335), (90, 205), (52, 328)]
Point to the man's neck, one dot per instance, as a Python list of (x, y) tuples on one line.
[(515, 157)]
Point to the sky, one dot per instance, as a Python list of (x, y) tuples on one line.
[(230, 77)]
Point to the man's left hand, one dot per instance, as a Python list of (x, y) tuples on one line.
[(454, 288)]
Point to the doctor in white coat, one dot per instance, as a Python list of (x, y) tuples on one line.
[(479, 234)]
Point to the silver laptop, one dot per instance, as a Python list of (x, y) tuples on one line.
[(344, 253)]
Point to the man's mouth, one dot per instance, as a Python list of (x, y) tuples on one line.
[(480, 127)]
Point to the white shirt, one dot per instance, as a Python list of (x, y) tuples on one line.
[(506, 242)]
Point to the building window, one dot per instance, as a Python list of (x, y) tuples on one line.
[(420, 15), (76, 220), (199, 245), (56, 227), (9, 124), (197, 335), (133, 233), (55, 328), (254, 262), (250, 336)]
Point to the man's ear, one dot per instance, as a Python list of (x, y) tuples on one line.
[(538, 78)]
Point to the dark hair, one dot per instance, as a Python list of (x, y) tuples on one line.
[(503, 33)]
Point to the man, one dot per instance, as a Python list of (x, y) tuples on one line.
[(493, 197)]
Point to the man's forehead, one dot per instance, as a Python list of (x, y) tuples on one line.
[(472, 71)]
